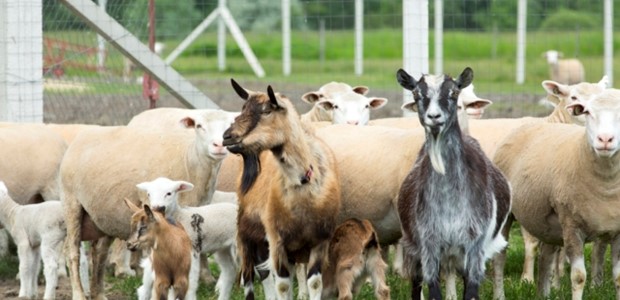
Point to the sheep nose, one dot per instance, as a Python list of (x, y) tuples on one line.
[(605, 138), (353, 122)]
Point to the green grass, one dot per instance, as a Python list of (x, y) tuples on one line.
[(400, 288), (492, 56)]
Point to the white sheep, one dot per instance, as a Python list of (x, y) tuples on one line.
[(103, 165), (31, 175), (212, 229), (541, 161), (39, 232), (164, 118), (339, 103), (566, 71)]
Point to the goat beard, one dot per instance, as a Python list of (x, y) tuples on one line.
[(251, 169), (434, 152)]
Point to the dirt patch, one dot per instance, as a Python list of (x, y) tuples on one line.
[(9, 290)]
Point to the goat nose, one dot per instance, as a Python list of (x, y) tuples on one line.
[(433, 116), (353, 122)]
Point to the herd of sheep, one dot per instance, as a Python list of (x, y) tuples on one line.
[(318, 194)]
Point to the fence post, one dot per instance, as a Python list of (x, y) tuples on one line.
[(21, 60), (415, 41)]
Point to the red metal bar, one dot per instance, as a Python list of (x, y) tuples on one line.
[(150, 87)]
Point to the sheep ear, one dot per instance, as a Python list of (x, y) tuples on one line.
[(240, 91), (326, 104), (412, 106), (143, 186), (577, 108), (311, 97), (466, 78), (188, 122), (405, 80), (377, 102), (184, 186), (555, 88), (134, 208), (361, 89), (604, 82), (479, 104)]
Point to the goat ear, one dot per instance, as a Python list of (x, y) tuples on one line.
[(465, 79), (184, 186), (134, 208), (405, 80), (272, 97), (149, 212), (412, 106), (377, 102), (604, 82), (361, 89), (311, 97), (240, 91)]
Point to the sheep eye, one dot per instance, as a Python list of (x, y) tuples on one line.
[(367, 106), (168, 194), (574, 98), (198, 126), (335, 106)]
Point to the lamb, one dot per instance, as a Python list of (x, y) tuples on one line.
[(548, 201), (170, 249), (290, 194), (94, 178), (211, 228), (38, 240), (565, 71), (354, 254)]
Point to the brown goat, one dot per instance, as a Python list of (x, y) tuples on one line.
[(354, 254), (170, 249), (293, 201)]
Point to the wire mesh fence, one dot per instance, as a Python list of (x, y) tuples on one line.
[(87, 80)]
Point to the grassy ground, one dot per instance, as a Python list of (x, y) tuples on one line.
[(514, 287)]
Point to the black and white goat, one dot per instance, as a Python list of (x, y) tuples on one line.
[(454, 202)]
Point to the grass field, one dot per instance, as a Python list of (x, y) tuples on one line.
[(400, 289), (491, 55)]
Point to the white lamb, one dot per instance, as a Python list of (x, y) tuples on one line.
[(339, 103), (212, 229), (39, 232), (102, 166), (566, 71)]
